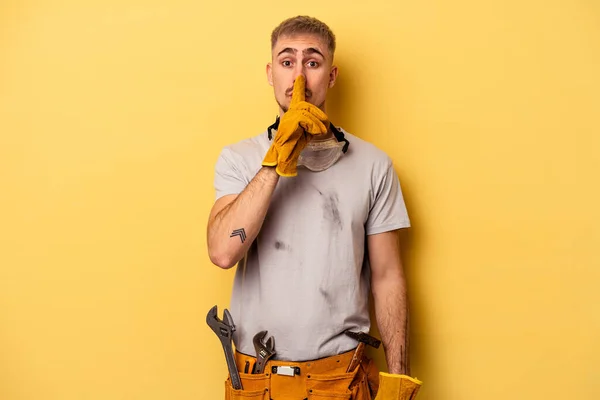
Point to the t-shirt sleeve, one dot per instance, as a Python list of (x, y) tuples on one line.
[(388, 211), (229, 178)]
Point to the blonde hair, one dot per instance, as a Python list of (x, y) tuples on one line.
[(303, 24)]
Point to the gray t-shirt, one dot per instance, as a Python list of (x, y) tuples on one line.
[(306, 277)]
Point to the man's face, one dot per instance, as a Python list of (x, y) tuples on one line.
[(304, 55)]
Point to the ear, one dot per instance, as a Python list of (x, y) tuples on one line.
[(333, 74), (270, 74)]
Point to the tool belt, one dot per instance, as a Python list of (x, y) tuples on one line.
[(322, 379)]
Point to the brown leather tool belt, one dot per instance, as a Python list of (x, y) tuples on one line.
[(326, 378)]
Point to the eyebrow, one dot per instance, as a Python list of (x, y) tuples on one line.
[(309, 51), (312, 50), (287, 50)]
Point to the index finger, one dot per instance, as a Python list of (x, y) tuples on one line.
[(298, 94)]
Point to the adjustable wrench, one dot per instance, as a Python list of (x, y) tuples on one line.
[(224, 329), (264, 351)]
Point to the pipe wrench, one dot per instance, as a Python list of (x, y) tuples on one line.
[(224, 330)]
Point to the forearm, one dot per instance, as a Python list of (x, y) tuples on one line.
[(391, 310), (233, 229)]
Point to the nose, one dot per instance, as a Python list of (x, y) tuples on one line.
[(299, 71)]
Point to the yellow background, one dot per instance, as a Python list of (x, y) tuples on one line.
[(112, 114)]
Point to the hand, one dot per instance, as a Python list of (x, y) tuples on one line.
[(294, 132), (397, 387)]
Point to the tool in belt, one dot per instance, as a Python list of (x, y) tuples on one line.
[(264, 351), (363, 339), (224, 329)]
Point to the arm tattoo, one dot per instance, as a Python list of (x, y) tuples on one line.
[(239, 232)]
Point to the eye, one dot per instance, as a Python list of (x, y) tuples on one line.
[(313, 64), (286, 63)]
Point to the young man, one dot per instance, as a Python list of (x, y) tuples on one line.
[(310, 213)]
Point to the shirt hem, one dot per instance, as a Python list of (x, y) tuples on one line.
[(387, 228)]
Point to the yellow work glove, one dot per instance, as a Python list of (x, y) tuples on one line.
[(296, 126), (397, 387)]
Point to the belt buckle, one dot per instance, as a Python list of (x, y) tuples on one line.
[(286, 370)]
